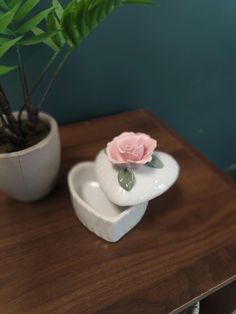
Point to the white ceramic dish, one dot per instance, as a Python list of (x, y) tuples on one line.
[(150, 182), (107, 220)]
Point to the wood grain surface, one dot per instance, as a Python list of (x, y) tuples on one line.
[(183, 250)]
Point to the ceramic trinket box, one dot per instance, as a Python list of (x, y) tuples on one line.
[(111, 194)]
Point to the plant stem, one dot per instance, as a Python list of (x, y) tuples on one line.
[(39, 79), (3, 121), (52, 80), (44, 72), (27, 97), (11, 137), (6, 110)]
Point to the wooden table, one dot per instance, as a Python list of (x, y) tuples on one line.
[(183, 250)]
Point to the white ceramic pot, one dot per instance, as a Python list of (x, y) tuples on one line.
[(30, 174)]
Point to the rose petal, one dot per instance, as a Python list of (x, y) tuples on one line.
[(131, 148), (133, 156), (113, 153)]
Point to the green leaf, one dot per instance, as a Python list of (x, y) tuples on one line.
[(34, 21), (7, 32), (48, 41), (92, 18), (126, 178), (9, 44), (155, 162), (89, 14), (101, 8), (37, 39), (80, 18), (54, 26), (6, 69), (98, 12), (3, 5), (69, 28), (58, 9), (14, 2), (3, 40), (6, 18), (112, 5), (25, 9)]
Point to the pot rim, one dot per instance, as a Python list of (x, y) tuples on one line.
[(53, 130)]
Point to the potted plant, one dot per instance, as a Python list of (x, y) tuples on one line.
[(29, 139)]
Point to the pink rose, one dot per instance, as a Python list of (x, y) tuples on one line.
[(131, 148)]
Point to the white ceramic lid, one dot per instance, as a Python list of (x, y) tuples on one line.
[(149, 182)]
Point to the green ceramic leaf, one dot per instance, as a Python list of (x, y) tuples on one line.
[(155, 162), (126, 178)]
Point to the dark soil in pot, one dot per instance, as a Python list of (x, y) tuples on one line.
[(30, 137)]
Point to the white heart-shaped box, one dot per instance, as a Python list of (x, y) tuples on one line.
[(103, 206), (95, 210), (149, 182)]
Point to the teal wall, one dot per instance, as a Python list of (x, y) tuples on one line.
[(178, 60)]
